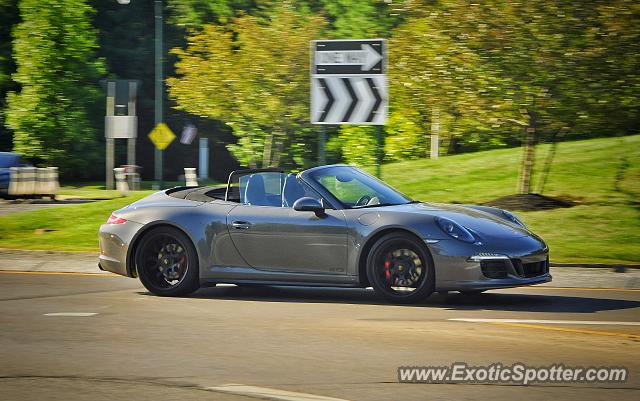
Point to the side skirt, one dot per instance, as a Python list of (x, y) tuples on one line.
[(247, 275)]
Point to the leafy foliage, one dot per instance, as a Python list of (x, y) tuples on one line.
[(58, 72), (356, 144), (484, 70), (253, 75), (9, 16)]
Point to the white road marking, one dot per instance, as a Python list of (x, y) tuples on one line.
[(73, 314), (535, 321), (269, 393)]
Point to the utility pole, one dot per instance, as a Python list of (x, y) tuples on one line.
[(379, 151), (322, 140), (158, 87)]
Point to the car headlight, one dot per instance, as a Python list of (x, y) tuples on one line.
[(512, 218), (455, 230)]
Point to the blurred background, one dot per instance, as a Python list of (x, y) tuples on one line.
[(527, 98)]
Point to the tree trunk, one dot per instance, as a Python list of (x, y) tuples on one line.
[(266, 155), (547, 164), (277, 152), (435, 133), (526, 170)]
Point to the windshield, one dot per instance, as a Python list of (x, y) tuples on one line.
[(356, 189)]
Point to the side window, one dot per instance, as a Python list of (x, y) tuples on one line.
[(261, 189), (270, 189)]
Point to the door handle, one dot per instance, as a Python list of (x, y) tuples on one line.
[(241, 225)]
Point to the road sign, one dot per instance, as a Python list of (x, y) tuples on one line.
[(161, 136), (349, 82), (189, 132)]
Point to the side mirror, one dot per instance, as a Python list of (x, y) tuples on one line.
[(307, 204)]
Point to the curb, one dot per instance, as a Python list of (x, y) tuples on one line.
[(47, 251), (616, 267)]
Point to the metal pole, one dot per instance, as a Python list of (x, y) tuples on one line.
[(110, 142), (109, 168), (203, 159), (322, 139), (378, 151), (131, 111), (158, 86)]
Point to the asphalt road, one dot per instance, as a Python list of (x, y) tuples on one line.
[(124, 343)]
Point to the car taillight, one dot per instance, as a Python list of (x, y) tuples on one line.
[(113, 219)]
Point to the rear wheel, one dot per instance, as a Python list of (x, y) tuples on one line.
[(167, 262), (400, 269)]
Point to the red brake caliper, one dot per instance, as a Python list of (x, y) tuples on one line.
[(387, 265)]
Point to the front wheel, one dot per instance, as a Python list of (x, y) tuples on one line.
[(167, 262), (400, 268)]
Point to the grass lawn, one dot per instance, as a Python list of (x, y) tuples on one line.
[(601, 175), (66, 228), (87, 192), (95, 190)]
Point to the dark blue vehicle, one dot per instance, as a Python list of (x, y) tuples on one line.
[(8, 160)]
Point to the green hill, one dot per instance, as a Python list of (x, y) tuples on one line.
[(601, 175)]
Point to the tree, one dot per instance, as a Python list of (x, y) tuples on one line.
[(521, 70), (194, 14), (254, 76), (9, 17), (435, 73), (355, 19), (58, 72), (570, 66)]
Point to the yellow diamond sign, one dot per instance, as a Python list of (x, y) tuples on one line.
[(162, 136)]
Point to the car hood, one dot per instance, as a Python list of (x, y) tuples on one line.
[(482, 223)]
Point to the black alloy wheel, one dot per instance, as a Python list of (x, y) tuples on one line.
[(400, 268), (167, 263)]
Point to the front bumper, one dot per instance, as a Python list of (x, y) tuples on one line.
[(466, 267), (115, 241)]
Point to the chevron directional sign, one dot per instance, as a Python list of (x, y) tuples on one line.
[(349, 82)]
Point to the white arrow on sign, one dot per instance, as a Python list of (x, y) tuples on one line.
[(367, 57), (349, 100)]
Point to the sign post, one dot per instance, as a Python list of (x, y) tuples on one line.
[(120, 122), (348, 84), (203, 159)]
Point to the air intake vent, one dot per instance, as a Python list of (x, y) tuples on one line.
[(532, 269), (495, 268)]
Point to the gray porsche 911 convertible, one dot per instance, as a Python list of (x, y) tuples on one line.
[(327, 226)]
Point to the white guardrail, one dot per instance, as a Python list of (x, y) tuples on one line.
[(33, 181)]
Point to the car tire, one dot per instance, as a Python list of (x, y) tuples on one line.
[(379, 274), (164, 254)]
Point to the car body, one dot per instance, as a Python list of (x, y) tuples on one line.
[(320, 228), (8, 160)]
